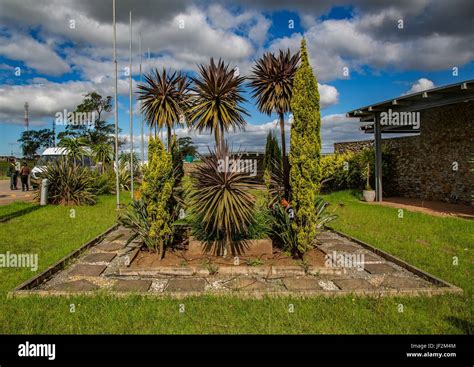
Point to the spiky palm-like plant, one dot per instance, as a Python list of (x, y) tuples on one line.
[(222, 202), (76, 148), (103, 153), (217, 95), (165, 100), (272, 84), (69, 184)]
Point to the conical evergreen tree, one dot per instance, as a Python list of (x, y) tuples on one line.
[(305, 152)]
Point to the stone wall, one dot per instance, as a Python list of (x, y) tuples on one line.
[(425, 165)]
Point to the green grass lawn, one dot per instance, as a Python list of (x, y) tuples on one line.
[(425, 241), (16, 206)]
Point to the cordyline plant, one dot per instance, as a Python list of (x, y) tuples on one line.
[(305, 174), (272, 83), (223, 203), (165, 100), (217, 95)]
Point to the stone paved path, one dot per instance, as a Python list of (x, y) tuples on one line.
[(104, 267)]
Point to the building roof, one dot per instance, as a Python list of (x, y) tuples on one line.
[(431, 98)]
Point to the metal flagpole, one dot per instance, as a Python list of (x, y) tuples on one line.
[(131, 113), (142, 141), (117, 182)]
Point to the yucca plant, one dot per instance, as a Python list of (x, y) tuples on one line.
[(69, 184), (217, 95), (139, 221), (165, 100), (272, 83), (285, 233), (223, 203)]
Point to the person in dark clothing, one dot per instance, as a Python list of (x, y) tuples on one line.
[(24, 174), (13, 174)]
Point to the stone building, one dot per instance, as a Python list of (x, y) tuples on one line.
[(438, 162)]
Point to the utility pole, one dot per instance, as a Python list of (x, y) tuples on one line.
[(54, 133), (131, 113), (117, 182)]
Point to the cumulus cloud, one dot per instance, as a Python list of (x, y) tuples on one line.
[(420, 85)]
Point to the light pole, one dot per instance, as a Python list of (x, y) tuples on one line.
[(117, 182), (131, 113)]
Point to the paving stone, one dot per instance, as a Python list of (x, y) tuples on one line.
[(344, 247), (379, 268), (402, 282), (288, 270), (87, 270), (99, 257), (186, 285), (301, 284), (76, 286), (372, 258), (123, 285), (250, 284), (111, 246), (353, 284)]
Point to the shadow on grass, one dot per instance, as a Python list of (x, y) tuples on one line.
[(463, 325), (18, 213)]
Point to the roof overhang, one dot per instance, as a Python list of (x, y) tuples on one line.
[(415, 102)]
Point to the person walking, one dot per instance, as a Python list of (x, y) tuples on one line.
[(24, 174), (13, 174)]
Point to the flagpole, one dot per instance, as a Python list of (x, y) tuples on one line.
[(142, 141), (117, 182), (131, 114)]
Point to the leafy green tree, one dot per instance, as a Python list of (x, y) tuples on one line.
[(305, 174), (99, 131), (186, 146), (32, 140), (156, 192), (218, 95)]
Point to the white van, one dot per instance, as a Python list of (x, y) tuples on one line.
[(53, 154)]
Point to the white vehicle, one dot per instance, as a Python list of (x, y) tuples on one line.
[(53, 154)]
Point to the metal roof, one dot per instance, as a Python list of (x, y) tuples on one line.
[(431, 98)]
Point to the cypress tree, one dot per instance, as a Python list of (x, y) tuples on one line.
[(156, 191), (305, 173)]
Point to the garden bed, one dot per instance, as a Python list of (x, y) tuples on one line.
[(260, 259)]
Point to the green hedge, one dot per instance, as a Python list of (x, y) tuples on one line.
[(341, 171)]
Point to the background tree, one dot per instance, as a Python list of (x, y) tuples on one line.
[(96, 131), (32, 140), (272, 83), (272, 152), (103, 154), (165, 100), (218, 93), (305, 175), (76, 148), (186, 146)]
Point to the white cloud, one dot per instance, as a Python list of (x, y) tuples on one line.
[(36, 55), (420, 85)]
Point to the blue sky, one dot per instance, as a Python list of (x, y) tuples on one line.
[(60, 63)]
